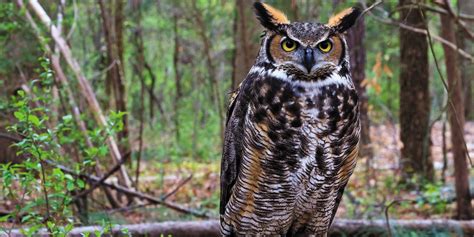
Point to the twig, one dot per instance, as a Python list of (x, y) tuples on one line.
[(387, 220), (370, 8), (103, 71), (445, 152), (181, 184), (105, 177), (74, 22)]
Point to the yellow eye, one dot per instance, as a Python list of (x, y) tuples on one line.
[(325, 46), (288, 45)]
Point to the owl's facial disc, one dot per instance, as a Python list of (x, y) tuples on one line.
[(307, 58)]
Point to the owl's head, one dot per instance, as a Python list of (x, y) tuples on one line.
[(306, 50)]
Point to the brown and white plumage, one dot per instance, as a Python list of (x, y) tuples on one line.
[(292, 132)]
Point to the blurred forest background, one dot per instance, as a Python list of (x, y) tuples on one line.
[(112, 111)]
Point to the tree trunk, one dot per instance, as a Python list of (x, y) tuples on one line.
[(245, 42), (456, 121), (414, 98), (112, 21), (355, 40), (467, 68)]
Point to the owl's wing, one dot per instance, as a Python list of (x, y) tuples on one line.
[(233, 136), (344, 174)]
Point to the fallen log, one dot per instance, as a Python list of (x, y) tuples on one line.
[(341, 227)]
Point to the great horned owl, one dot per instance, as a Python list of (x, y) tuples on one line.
[(292, 130)]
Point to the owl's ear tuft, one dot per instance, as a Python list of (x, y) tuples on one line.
[(269, 17), (345, 19)]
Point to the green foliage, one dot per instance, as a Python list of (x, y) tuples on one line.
[(432, 195), (47, 204), (41, 191)]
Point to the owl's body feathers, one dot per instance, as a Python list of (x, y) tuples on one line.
[(291, 139)]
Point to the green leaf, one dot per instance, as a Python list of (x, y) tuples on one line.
[(68, 228), (50, 224), (80, 183), (34, 120), (69, 177), (67, 118), (19, 115), (58, 173), (70, 186), (5, 218), (21, 93), (103, 151)]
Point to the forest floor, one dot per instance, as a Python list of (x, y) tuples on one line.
[(367, 196)]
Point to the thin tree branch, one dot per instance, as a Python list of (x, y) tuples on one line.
[(370, 8), (181, 184), (105, 177), (74, 22)]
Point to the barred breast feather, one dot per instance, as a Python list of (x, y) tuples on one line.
[(290, 147)]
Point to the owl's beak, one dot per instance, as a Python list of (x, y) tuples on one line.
[(308, 60)]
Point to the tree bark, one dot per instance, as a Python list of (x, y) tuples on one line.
[(467, 68), (355, 41), (245, 42), (456, 122), (414, 98)]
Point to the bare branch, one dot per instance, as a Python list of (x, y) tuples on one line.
[(370, 8), (181, 184), (105, 177)]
